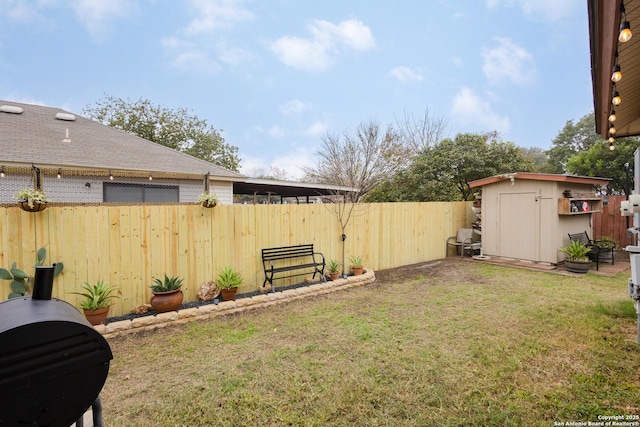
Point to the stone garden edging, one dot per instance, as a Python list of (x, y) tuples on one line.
[(161, 320)]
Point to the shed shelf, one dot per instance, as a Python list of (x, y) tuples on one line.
[(575, 206)]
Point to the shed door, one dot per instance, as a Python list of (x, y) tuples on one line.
[(518, 226)]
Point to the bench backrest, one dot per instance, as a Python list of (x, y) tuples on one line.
[(581, 237), (287, 252)]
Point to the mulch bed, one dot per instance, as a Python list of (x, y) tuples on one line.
[(193, 304)]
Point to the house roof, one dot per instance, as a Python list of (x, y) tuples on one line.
[(604, 24), (572, 179), (33, 134)]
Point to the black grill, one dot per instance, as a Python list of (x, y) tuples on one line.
[(53, 363)]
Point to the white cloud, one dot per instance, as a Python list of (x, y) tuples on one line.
[(326, 43), (405, 74), (193, 47), (549, 10), (212, 15), (20, 10), (510, 62), (295, 106), (456, 61), (317, 129), (97, 15), (302, 54), (232, 55), (195, 60), (275, 131), (292, 163), (469, 109), (188, 57)]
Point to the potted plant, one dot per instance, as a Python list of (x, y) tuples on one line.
[(228, 282), (31, 200), (167, 295), (577, 257), (333, 267), (357, 265), (606, 246), (97, 300), (208, 200)]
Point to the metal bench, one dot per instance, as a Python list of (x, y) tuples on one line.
[(594, 253), (275, 262)]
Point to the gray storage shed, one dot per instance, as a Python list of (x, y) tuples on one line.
[(528, 216)]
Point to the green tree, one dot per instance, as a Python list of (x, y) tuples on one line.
[(600, 161), (442, 172), (177, 129), (537, 155), (572, 139)]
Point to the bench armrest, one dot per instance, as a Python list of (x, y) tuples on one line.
[(314, 258)]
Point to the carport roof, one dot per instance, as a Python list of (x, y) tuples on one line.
[(263, 186)]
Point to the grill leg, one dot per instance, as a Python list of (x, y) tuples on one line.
[(96, 409), (97, 413)]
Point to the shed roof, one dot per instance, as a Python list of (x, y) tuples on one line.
[(573, 179), (34, 134)]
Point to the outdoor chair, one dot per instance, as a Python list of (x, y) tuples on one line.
[(464, 242), (598, 250)]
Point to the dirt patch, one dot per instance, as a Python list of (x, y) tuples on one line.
[(431, 271)]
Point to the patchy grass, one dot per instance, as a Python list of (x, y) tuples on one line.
[(451, 343)]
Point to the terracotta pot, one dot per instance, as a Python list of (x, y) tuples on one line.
[(166, 301), (97, 317), (334, 276), (357, 270), (229, 294), (37, 207)]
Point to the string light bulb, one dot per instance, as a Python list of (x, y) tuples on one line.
[(616, 100), (612, 129), (625, 28), (150, 177), (612, 116), (110, 176), (59, 173), (617, 74), (611, 146), (2, 172)]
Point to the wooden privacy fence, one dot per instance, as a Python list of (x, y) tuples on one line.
[(610, 223), (127, 246)]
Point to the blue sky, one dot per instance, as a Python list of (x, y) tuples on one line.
[(277, 75)]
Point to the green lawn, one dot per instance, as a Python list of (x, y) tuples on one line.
[(453, 343)]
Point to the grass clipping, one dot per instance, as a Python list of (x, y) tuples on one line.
[(448, 343)]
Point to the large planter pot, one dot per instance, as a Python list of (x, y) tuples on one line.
[(166, 301), (37, 207), (334, 276), (229, 294), (606, 257), (97, 317), (577, 266), (357, 270)]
